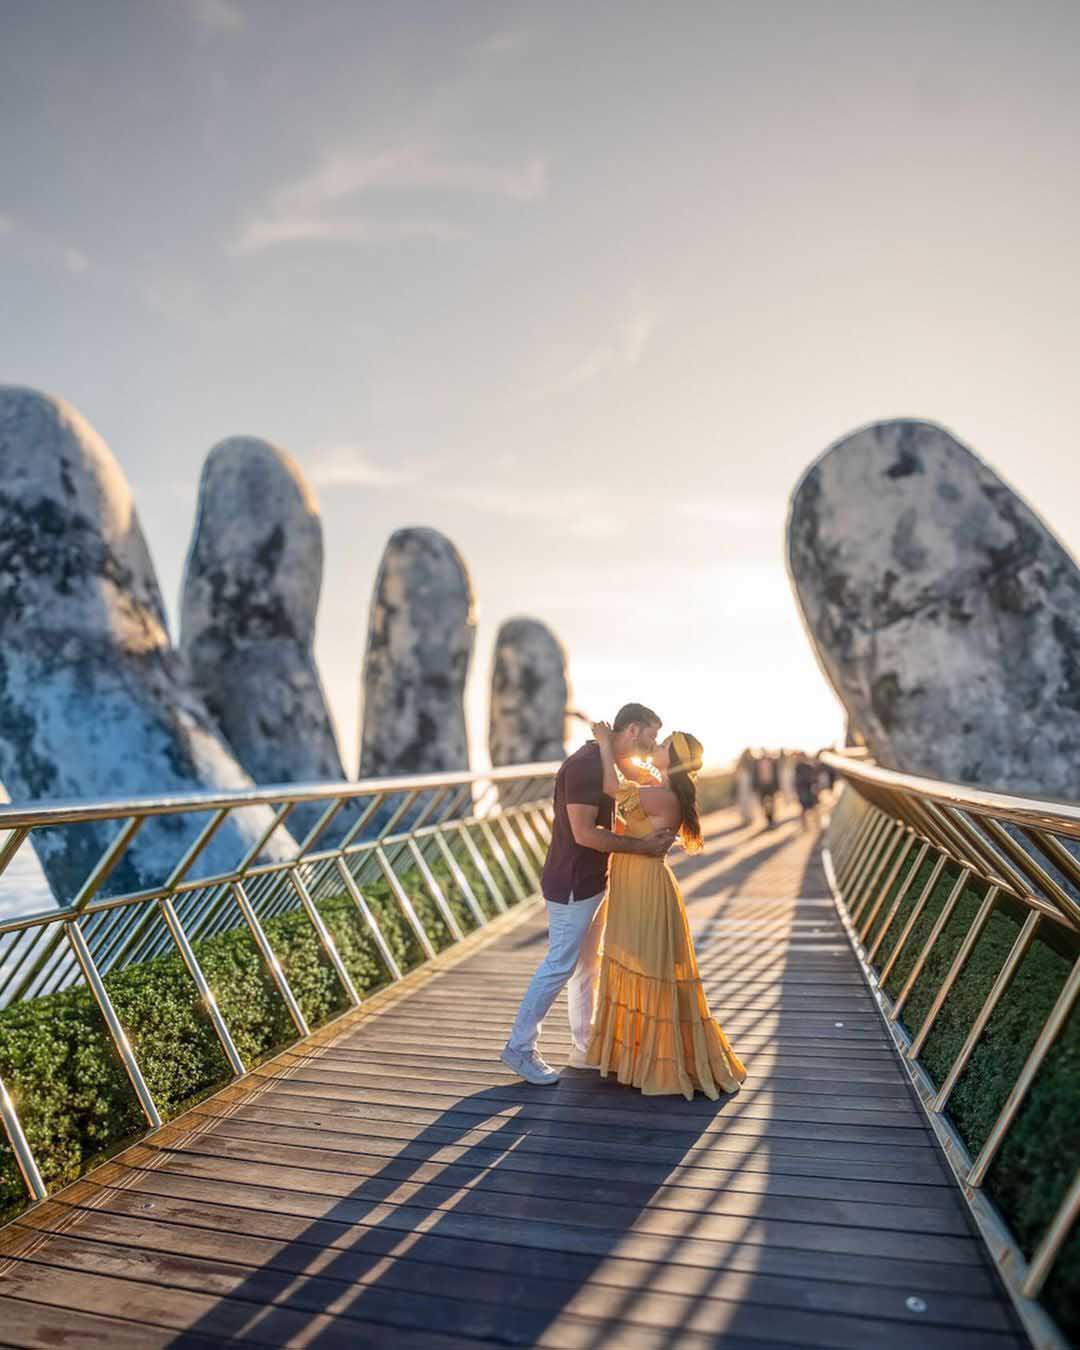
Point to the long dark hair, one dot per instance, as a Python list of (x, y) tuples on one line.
[(681, 776)]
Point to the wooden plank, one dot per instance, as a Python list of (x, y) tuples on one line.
[(741, 1174), (470, 1305), (674, 1114), (913, 1175), (396, 1185), (302, 1220), (801, 1138), (541, 1278), (393, 1177), (836, 1229)]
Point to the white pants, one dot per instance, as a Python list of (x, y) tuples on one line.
[(573, 958)]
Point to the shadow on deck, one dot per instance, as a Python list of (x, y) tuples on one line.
[(398, 1187)]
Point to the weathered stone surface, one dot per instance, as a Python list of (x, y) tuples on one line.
[(250, 596), (94, 702), (529, 694), (942, 609), (420, 641)]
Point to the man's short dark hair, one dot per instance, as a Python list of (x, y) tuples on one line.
[(635, 712)]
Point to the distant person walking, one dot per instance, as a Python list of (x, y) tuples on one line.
[(765, 785), (574, 884), (806, 786), (744, 786), (787, 760)]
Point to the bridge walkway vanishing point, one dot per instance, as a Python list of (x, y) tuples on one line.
[(395, 1186)]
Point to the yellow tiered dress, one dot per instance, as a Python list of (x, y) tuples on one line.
[(653, 1028)]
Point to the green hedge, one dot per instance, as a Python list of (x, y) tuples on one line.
[(1041, 1152), (61, 1069)]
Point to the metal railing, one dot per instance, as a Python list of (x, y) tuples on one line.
[(895, 842), (493, 826)]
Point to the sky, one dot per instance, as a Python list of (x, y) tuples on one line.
[(586, 287)]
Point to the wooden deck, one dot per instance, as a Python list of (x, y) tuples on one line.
[(397, 1187)]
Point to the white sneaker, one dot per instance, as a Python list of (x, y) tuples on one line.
[(530, 1067), (577, 1059)]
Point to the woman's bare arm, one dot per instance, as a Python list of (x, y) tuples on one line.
[(602, 733)]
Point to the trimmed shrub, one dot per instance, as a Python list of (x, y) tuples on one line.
[(59, 1064), (1041, 1152)]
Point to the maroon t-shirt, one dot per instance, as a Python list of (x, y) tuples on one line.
[(571, 870)]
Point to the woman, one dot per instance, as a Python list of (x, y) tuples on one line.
[(652, 1027)]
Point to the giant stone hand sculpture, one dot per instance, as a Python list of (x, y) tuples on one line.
[(94, 702), (420, 641), (250, 595), (529, 693), (942, 609)]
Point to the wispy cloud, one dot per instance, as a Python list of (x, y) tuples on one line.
[(222, 16), (270, 232), (409, 167), (352, 466), (7, 226), (623, 351), (305, 209)]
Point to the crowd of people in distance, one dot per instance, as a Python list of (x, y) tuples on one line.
[(764, 776)]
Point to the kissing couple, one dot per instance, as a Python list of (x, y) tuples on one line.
[(622, 942)]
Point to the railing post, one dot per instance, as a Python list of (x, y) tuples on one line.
[(23, 1153), (435, 891), (369, 919), (187, 953), (329, 946), (935, 932), (116, 1031), (405, 903), (963, 952), (1001, 983), (480, 863), (500, 858), (269, 956), (460, 879), (1059, 1015)]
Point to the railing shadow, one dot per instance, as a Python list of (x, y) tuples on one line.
[(493, 1242), (514, 1208)]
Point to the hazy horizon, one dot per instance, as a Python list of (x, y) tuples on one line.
[(585, 289)]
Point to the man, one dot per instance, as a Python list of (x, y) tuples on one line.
[(573, 884)]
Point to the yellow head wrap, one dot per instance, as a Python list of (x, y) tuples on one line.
[(688, 761)]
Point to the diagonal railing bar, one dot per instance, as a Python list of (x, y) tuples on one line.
[(277, 974), (435, 890), (402, 897), (198, 845), (328, 944), (499, 822), (506, 826), (460, 879), (11, 846), (369, 919), (972, 840), (484, 826), (1054, 851), (116, 1031), (187, 954), (320, 827), (480, 863), (279, 818)]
